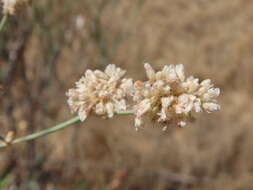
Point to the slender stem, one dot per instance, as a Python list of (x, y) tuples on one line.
[(52, 130), (47, 131), (3, 21)]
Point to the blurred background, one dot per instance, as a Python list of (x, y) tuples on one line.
[(48, 45)]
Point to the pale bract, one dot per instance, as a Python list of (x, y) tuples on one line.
[(100, 93), (169, 97)]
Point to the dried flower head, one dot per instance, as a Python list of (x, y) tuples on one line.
[(100, 93), (171, 98), (10, 6)]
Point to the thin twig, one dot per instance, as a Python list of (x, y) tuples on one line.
[(52, 130)]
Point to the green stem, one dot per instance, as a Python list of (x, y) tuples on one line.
[(52, 130), (3, 21), (47, 131)]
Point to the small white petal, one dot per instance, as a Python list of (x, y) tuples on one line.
[(167, 89), (90, 75), (110, 70), (185, 103), (214, 92), (100, 108), (191, 84), (206, 82), (159, 75), (163, 115), (109, 109), (158, 84), (101, 74), (197, 105), (82, 115), (149, 71), (180, 72), (170, 73), (211, 94), (143, 107), (210, 107), (120, 105), (166, 101), (127, 84), (181, 123), (137, 122)]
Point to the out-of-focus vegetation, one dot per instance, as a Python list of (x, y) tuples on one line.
[(47, 46)]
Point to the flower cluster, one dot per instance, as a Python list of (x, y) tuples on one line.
[(168, 96), (10, 6), (101, 93)]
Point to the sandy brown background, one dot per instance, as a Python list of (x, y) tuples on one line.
[(47, 46)]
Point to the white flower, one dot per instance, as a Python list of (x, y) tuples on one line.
[(168, 96), (171, 98), (210, 107), (100, 93)]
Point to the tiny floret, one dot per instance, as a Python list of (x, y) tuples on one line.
[(100, 93), (170, 98)]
